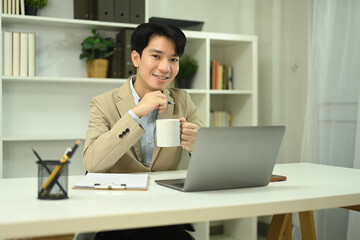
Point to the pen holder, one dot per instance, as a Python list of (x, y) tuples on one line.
[(58, 185)]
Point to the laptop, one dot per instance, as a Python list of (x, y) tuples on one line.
[(229, 158)]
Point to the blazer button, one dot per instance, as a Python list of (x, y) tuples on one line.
[(124, 133), (121, 136), (127, 130)]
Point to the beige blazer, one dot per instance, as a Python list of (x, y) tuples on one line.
[(113, 138)]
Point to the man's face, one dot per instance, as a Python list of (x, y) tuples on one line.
[(158, 65)]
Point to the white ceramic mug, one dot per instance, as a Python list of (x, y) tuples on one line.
[(168, 132)]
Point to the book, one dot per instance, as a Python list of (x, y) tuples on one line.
[(220, 78), (23, 54), (4, 10), (8, 53), (122, 11), (9, 6), (137, 11), (22, 7), (220, 119), (17, 7), (31, 55), (230, 83), (214, 80), (13, 7), (16, 54), (84, 9), (104, 10), (126, 66), (115, 61)]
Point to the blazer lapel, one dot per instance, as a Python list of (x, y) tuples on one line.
[(124, 103), (168, 113)]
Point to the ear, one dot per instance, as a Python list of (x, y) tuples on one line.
[(135, 57)]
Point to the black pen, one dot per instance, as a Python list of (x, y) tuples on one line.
[(46, 188), (169, 102), (49, 171)]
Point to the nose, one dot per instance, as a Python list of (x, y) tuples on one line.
[(164, 65)]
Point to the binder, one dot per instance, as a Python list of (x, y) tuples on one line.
[(126, 65), (113, 181), (137, 11), (8, 53), (104, 10), (122, 11), (16, 54), (84, 9), (23, 54), (115, 61), (31, 55)]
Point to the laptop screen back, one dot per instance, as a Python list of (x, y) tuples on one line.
[(233, 157)]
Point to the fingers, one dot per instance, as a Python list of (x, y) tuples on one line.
[(150, 102), (188, 134)]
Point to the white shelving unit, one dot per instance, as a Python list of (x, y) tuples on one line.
[(50, 111)]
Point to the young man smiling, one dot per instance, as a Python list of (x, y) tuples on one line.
[(121, 134)]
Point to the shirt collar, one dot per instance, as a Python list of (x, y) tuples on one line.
[(134, 93)]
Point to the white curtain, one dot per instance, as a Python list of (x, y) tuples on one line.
[(332, 121)]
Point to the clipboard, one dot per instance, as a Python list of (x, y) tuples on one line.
[(277, 178), (114, 181)]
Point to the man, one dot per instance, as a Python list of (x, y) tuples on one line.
[(121, 135)]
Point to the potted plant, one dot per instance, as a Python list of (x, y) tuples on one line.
[(96, 49), (187, 69), (31, 6)]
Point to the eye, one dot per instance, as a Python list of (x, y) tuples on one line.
[(155, 56), (174, 59)]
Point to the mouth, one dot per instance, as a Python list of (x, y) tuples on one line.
[(161, 77)]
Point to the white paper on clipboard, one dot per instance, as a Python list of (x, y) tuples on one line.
[(113, 181)]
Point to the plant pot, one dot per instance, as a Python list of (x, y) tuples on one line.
[(30, 10), (97, 68)]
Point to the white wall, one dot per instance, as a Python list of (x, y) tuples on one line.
[(226, 16), (284, 29)]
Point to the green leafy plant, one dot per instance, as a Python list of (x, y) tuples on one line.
[(96, 46), (36, 3), (187, 67)]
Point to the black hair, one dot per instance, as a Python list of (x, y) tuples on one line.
[(142, 33)]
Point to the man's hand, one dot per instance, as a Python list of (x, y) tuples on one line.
[(150, 102), (188, 134)]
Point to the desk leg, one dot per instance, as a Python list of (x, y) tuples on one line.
[(280, 227), (354, 208), (307, 225)]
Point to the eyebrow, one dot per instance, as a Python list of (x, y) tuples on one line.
[(154, 50)]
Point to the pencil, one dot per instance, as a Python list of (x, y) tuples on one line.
[(46, 188), (49, 171), (171, 103)]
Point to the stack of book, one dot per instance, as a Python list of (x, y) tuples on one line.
[(16, 7), (19, 54), (221, 76), (121, 65), (125, 11), (220, 119)]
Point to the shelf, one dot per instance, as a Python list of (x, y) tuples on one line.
[(230, 92), (43, 138), (86, 24), (224, 37), (62, 22), (64, 79)]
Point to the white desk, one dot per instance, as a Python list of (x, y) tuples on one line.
[(308, 187)]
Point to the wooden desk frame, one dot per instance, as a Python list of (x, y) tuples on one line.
[(281, 225)]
